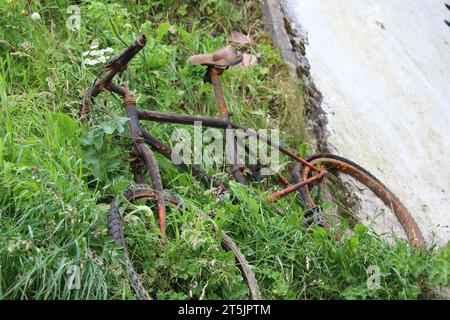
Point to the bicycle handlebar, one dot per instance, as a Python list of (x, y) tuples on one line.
[(116, 64)]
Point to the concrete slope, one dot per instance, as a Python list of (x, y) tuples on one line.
[(383, 68)]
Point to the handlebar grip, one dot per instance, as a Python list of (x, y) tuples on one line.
[(119, 62), (116, 64)]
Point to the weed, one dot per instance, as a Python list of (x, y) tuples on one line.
[(58, 177)]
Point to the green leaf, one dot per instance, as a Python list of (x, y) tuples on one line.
[(321, 232), (98, 140), (182, 10), (353, 293), (186, 36), (146, 28), (354, 241), (68, 126), (360, 229), (116, 124), (162, 30), (303, 149)]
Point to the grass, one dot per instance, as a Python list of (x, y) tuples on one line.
[(56, 181)]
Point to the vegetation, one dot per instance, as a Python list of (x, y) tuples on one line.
[(58, 177)]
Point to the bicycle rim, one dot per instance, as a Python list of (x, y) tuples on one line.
[(340, 171), (144, 192)]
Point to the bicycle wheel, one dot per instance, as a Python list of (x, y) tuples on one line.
[(334, 188), (139, 192)]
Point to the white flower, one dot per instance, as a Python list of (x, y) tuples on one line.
[(101, 52), (102, 59), (91, 62), (95, 53), (93, 57), (35, 16)]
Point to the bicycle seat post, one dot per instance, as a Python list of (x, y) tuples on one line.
[(235, 167), (215, 73), (217, 62)]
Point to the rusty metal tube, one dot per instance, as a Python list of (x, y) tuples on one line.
[(275, 145), (166, 151), (116, 64), (157, 184), (181, 119), (147, 154), (283, 192), (235, 168)]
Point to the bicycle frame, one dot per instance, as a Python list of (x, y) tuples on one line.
[(142, 139)]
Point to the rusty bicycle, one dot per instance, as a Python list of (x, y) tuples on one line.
[(308, 176)]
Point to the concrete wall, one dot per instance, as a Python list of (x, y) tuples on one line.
[(383, 68)]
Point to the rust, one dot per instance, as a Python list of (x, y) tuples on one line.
[(282, 179), (115, 226), (136, 167), (234, 169), (198, 174), (283, 192), (215, 73), (409, 225), (276, 146), (152, 167), (116, 64), (181, 119), (306, 172)]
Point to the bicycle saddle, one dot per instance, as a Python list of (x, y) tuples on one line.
[(222, 58)]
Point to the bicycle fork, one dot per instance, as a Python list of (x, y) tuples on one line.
[(144, 151)]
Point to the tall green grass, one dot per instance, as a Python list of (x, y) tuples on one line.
[(56, 182)]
